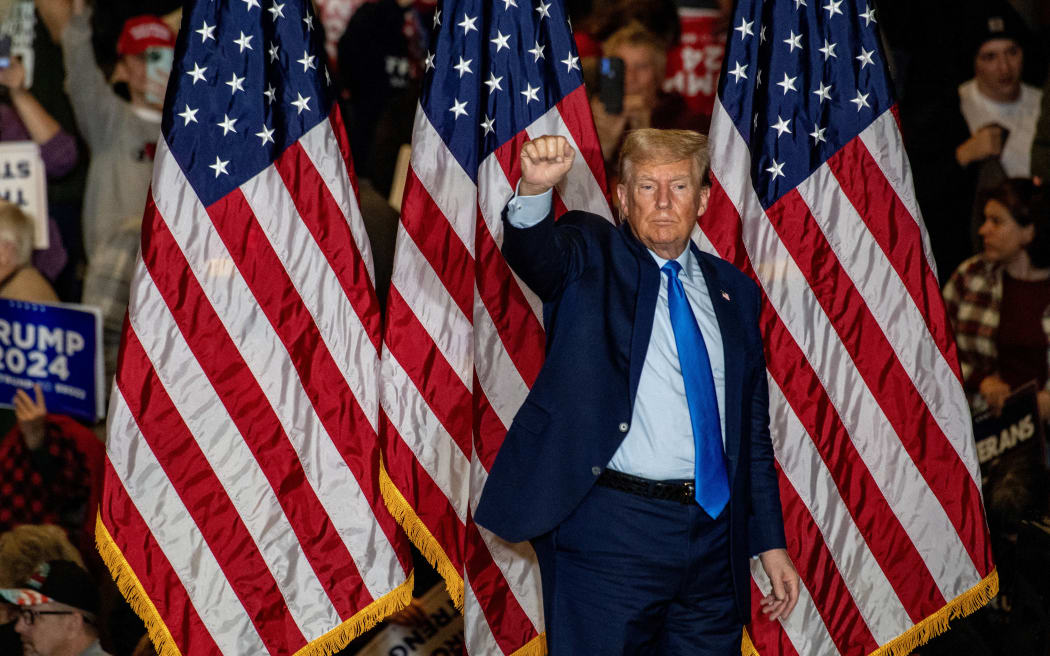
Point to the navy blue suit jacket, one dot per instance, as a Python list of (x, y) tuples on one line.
[(599, 287)]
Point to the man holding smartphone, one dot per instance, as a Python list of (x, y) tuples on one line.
[(122, 134)]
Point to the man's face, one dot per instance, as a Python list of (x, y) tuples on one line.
[(640, 75), (135, 70), (998, 69), (48, 635), (662, 202)]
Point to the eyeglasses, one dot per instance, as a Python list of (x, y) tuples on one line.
[(28, 615)]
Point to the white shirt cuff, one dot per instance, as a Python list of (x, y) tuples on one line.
[(527, 211)]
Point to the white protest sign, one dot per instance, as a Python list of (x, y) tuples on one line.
[(24, 183), (439, 634)]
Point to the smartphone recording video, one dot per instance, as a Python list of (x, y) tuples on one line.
[(610, 86), (5, 51), (158, 66)]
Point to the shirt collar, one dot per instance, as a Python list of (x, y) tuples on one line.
[(686, 259)]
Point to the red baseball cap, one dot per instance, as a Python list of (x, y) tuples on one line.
[(141, 32)]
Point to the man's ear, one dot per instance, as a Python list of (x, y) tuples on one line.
[(705, 195), (621, 196)]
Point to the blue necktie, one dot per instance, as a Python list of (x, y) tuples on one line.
[(712, 484)]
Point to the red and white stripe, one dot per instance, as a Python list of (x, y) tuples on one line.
[(880, 481), (463, 344), (243, 461)]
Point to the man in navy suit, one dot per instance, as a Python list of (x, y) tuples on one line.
[(640, 465)]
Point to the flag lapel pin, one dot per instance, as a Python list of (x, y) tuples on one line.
[(725, 295)]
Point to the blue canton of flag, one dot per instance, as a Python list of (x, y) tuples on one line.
[(495, 70), (799, 83), (247, 82)]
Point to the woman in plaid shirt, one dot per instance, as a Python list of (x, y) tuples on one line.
[(999, 300)]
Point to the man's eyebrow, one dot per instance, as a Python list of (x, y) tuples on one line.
[(677, 178)]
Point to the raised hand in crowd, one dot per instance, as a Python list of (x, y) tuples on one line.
[(32, 417), (55, 16), (39, 123)]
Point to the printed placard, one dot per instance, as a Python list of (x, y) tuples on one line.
[(56, 346), (439, 634), (1016, 429), (23, 182)]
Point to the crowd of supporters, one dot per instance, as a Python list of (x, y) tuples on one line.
[(85, 82)]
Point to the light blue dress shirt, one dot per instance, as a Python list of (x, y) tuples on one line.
[(659, 444)]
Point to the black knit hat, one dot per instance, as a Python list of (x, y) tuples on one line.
[(61, 581), (999, 21)]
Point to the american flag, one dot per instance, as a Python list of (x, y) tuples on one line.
[(464, 338), (242, 512), (813, 198)]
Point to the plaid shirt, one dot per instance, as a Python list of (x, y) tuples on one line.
[(973, 296), (46, 486)]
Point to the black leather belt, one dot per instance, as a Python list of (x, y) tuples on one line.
[(682, 492)]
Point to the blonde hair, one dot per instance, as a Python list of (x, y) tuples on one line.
[(16, 228), (636, 34), (652, 146), (24, 547)]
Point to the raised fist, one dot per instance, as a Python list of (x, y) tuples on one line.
[(544, 163)]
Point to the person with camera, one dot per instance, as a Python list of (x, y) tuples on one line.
[(631, 94), (122, 134), (24, 118)]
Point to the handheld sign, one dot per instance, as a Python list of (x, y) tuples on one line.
[(56, 346), (437, 632), (1011, 447), (23, 182)]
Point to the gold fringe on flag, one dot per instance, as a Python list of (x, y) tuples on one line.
[(133, 591), (928, 628), (936, 624), (747, 648), (421, 536), (432, 551), (535, 647), (362, 621), (160, 636)]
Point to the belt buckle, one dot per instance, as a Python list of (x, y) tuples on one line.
[(688, 492)]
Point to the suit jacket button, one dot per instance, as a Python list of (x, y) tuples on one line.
[(596, 471), (624, 426)]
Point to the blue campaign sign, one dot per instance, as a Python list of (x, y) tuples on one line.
[(56, 346)]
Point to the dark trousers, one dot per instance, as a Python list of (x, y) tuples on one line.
[(625, 574)]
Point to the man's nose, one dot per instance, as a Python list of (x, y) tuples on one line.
[(663, 195)]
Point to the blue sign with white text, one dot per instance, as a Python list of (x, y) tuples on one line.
[(57, 347)]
